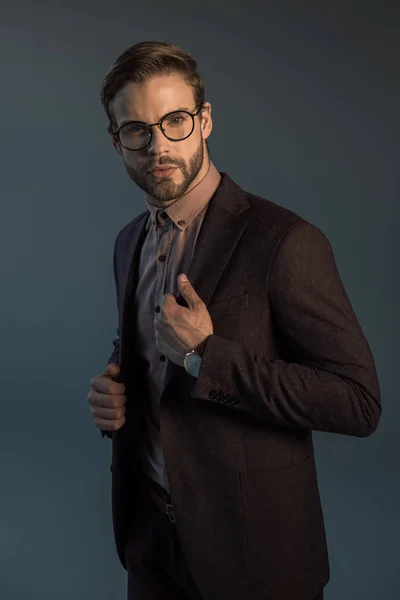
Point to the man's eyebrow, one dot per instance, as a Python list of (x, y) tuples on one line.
[(124, 121)]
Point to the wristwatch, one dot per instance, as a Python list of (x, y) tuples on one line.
[(192, 360)]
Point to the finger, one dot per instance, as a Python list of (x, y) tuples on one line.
[(109, 425), (106, 400), (107, 386), (109, 414), (188, 292), (167, 300), (112, 370)]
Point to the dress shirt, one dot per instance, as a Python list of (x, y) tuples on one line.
[(166, 252)]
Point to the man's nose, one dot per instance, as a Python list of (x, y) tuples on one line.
[(158, 143)]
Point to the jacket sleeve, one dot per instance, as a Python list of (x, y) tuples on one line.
[(330, 381)]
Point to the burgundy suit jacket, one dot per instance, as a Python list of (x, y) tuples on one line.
[(287, 357)]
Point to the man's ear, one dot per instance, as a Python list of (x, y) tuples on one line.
[(114, 138), (206, 120)]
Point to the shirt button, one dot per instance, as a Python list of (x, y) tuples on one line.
[(162, 258), (157, 309), (181, 223), (162, 357)]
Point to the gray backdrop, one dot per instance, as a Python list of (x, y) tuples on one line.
[(305, 102)]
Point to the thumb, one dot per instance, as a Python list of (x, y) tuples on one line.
[(188, 291), (112, 370)]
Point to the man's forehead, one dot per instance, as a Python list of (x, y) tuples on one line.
[(151, 100)]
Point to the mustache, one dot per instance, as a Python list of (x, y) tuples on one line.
[(162, 162)]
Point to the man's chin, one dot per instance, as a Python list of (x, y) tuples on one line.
[(164, 193)]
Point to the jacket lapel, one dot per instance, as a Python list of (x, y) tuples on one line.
[(129, 283), (224, 224), (220, 232)]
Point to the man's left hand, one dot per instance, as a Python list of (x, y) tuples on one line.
[(180, 329)]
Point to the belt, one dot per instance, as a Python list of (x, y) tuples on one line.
[(165, 507)]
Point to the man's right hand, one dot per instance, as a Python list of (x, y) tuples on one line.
[(107, 400)]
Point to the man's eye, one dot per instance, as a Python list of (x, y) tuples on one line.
[(176, 119), (134, 129)]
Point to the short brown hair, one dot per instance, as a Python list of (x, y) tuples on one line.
[(145, 60)]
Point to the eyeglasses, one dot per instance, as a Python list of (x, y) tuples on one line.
[(176, 126)]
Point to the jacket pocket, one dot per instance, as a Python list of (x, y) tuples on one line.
[(267, 448), (284, 526)]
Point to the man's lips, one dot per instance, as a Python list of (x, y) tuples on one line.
[(162, 171), (162, 168)]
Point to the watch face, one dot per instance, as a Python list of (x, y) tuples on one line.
[(192, 364)]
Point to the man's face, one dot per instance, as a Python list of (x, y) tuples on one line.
[(149, 102)]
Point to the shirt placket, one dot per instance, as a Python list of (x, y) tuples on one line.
[(165, 238)]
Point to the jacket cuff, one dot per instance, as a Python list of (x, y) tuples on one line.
[(202, 346)]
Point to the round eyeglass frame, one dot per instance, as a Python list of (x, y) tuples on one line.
[(159, 124)]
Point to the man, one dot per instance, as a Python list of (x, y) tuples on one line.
[(217, 381)]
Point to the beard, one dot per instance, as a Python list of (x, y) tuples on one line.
[(165, 190)]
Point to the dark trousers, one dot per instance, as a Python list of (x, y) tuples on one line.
[(157, 569)]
